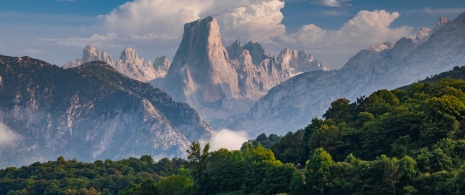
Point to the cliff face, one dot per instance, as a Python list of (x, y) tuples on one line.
[(89, 112), (292, 104), (200, 69)]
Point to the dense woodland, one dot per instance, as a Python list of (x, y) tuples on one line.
[(406, 141)]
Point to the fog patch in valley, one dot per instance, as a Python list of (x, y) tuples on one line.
[(228, 139)]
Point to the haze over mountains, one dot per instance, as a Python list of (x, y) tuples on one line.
[(89, 112), (292, 104)]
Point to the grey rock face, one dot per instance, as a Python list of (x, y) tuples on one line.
[(89, 112), (292, 104), (161, 66)]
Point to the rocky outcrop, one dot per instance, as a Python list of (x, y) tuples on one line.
[(89, 54), (298, 61), (424, 33), (134, 67), (161, 66), (128, 64), (292, 104), (89, 112)]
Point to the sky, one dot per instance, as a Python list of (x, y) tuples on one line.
[(56, 31)]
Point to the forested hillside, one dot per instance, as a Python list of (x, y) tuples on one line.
[(408, 141)]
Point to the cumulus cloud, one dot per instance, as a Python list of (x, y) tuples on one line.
[(238, 19), (366, 28), (231, 140), (7, 136)]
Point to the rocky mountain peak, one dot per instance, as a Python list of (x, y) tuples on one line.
[(106, 57), (423, 34), (378, 47), (206, 29), (256, 51), (90, 53), (234, 50), (161, 66), (298, 61), (129, 54), (442, 21), (202, 60)]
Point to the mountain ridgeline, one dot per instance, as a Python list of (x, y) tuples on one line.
[(292, 104), (89, 112)]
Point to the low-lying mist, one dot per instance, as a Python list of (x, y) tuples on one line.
[(228, 139)]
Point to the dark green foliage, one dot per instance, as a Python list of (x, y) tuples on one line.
[(296, 186), (198, 159), (71, 176), (318, 171), (264, 140), (289, 148), (224, 173), (277, 179)]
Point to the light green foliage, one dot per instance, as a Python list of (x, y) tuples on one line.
[(319, 170), (198, 158), (179, 184)]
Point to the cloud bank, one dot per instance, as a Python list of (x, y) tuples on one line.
[(7, 136)]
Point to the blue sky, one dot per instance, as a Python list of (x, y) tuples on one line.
[(57, 30)]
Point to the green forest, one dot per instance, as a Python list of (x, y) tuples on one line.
[(405, 141)]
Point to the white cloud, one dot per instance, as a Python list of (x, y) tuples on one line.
[(239, 19), (231, 140), (366, 28), (7, 136), (258, 21)]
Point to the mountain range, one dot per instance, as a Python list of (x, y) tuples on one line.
[(89, 112), (222, 81), (292, 104)]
